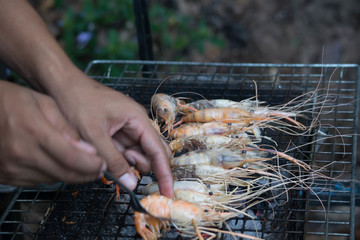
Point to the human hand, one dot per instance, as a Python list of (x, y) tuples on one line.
[(118, 127), (38, 145)]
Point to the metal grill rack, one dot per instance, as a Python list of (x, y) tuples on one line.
[(89, 211)]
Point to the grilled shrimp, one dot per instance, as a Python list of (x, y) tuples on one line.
[(190, 185), (232, 158), (212, 128), (219, 157), (246, 104), (184, 215), (240, 116), (213, 196), (196, 142), (165, 108), (210, 174)]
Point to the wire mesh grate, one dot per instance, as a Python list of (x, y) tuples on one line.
[(326, 211)]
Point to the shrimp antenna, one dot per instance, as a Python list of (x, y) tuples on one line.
[(256, 94), (195, 93)]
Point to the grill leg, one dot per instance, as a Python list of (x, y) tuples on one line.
[(144, 35)]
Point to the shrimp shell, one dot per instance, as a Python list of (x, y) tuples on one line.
[(227, 115), (261, 116), (190, 185), (246, 104), (219, 157), (165, 108), (210, 174), (181, 213), (196, 142), (212, 128)]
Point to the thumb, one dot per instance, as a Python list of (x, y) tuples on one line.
[(116, 162)]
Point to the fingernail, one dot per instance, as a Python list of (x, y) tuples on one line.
[(128, 180), (85, 146), (120, 147), (130, 159), (102, 169)]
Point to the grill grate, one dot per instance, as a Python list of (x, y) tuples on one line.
[(89, 211)]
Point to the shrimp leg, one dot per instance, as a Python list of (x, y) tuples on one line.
[(103, 179)]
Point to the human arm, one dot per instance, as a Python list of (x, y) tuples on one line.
[(98, 113)]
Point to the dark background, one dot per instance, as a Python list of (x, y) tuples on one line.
[(253, 31)]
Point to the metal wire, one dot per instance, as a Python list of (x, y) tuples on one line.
[(89, 211)]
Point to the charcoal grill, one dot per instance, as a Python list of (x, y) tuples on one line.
[(89, 211)]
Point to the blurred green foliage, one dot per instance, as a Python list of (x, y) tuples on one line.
[(91, 29)]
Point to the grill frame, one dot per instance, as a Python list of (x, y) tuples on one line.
[(136, 75)]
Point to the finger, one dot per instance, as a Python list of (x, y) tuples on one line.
[(136, 158), (167, 148), (26, 176), (71, 154), (119, 146), (123, 139), (156, 152), (134, 155), (55, 117), (116, 162), (60, 172), (41, 167)]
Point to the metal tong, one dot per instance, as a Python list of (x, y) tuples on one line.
[(134, 201)]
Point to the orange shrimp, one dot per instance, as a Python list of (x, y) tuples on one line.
[(234, 115), (166, 107), (246, 104), (197, 186), (219, 157), (186, 144), (227, 115), (212, 128), (181, 213)]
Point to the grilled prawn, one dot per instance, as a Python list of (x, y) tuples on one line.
[(191, 185), (196, 142), (185, 216), (227, 158), (219, 157), (240, 116), (166, 108), (246, 104), (213, 128)]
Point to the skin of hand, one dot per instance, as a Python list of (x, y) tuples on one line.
[(118, 127), (113, 123), (37, 144)]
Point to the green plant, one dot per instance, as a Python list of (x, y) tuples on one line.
[(97, 30), (176, 34), (92, 29)]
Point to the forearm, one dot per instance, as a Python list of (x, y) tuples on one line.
[(28, 48)]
